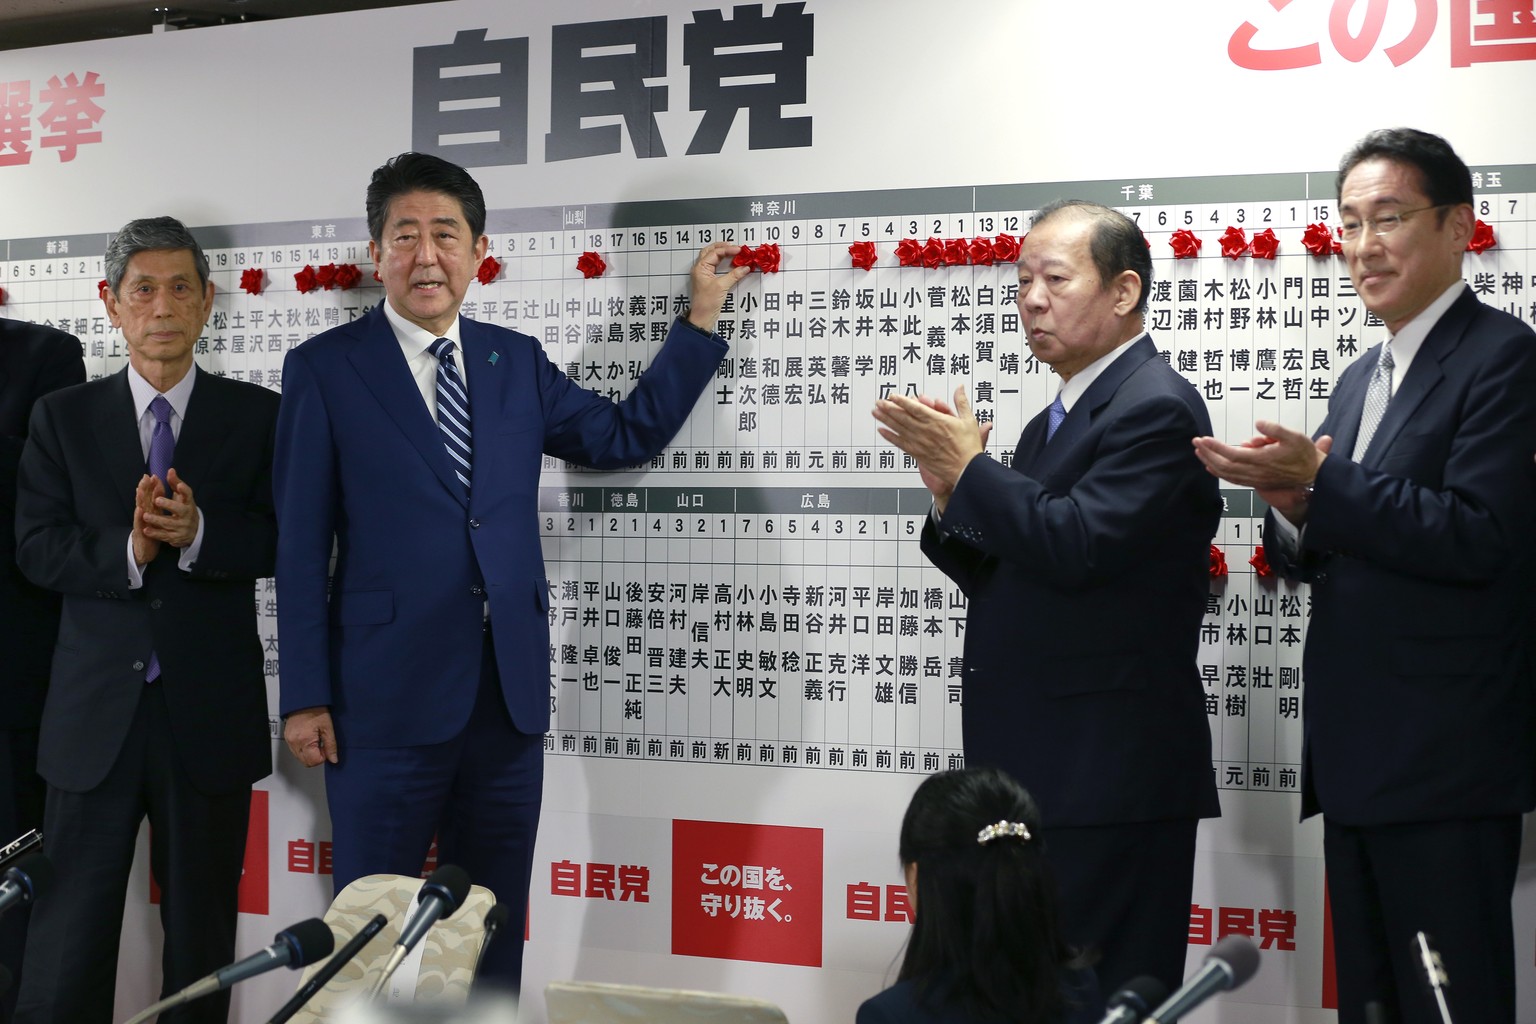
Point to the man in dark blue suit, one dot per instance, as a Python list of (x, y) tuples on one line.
[(157, 701), (1411, 515), (34, 360), (418, 669), (1085, 564)]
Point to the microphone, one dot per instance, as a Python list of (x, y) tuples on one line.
[(21, 881), (440, 896), (1135, 998), (1230, 963), (22, 844), (1434, 972), (329, 969), (495, 918), (297, 946)]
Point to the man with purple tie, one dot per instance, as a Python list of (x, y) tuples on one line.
[(145, 498)]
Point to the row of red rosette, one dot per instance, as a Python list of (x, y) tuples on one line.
[(1318, 239)]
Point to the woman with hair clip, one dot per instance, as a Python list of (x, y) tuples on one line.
[(984, 946)]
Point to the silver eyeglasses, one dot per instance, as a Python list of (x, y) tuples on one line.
[(1383, 225)]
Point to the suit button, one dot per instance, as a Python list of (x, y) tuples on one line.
[(477, 590), (155, 603), (474, 524), (138, 666)]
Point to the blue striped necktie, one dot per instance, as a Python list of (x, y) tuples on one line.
[(453, 410)]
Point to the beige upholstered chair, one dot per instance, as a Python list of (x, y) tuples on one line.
[(591, 1002), (449, 951)]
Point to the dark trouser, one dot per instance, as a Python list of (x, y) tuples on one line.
[(480, 793), (197, 851), (1125, 890), (1450, 879)]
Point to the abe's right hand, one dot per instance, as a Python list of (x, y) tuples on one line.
[(311, 736), (710, 279)]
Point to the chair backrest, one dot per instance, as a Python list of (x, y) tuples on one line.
[(448, 953), (592, 1002)]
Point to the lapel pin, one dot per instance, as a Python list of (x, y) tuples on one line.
[(494, 356)]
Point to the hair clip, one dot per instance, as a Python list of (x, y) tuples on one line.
[(1003, 828)]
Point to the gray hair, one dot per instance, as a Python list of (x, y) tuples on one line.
[(151, 234)]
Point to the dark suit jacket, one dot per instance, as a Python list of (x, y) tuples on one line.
[(1418, 665), (33, 361), (1086, 566), (74, 512), (394, 647)]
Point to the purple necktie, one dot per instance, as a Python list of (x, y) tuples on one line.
[(1054, 415), (162, 444)]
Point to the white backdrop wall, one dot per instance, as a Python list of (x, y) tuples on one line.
[(262, 137)]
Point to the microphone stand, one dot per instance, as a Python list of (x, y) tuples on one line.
[(203, 987), (1434, 971), (396, 955), (329, 969)]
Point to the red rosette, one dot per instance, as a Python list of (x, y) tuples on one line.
[(2, 296), (489, 267), (1218, 567), (982, 252), (745, 257), (1185, 244), (592, 265), (1005, 248), (377, 278), (957, 252), (863, 255), (1234, 243), (1261, 567), (252, 279), (909, 252), (766, 259), (1265, 245), (933, 253), (1319, 241), (347, 275), (101, 287), (325, 276), (307, 280), (1482, 238)]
